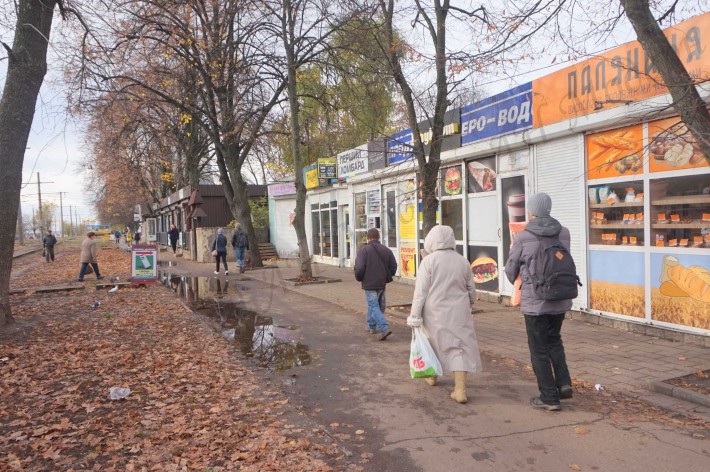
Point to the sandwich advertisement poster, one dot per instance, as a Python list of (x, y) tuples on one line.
[(481, 175), (484, 266), (680, 289), (451, 181), (616, 282)]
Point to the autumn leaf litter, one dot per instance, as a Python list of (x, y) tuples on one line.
[(193, 404)]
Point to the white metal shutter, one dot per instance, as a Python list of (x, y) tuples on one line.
[(559, 172)]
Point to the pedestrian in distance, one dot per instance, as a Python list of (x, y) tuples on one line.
[(48, 242), (88, 256), (219, 250), (444, 293), (137, 238), (375, 267), (174, 235), (240, 243), (545, 298), (117, 236)]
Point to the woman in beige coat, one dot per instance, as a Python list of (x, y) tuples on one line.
[(88, 256), (443, 295)]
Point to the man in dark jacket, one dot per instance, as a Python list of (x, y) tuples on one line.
[(174, 235), (240, 243), (49, 241), (375, 266), (543, 318)]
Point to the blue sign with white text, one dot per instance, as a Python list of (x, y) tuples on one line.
[(399, 147), (500, 114)]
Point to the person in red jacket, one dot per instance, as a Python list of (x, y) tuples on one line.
[(375, 265)]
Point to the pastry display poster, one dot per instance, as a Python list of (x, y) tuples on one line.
[(615, 152), (484, 266), (680, 289), (671, 147), (616, 282), (408, 260), (481, 175)]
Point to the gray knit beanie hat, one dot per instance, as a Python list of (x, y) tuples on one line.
[(540, 204)]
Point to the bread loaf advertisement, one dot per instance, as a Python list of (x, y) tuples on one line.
[(615, 152), (484, 267), (671, 147), (617, 282), (680, 292)]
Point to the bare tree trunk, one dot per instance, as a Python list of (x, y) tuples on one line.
[(428, 165), (27, 66), (235, 191), (299, 222), (686, 99)]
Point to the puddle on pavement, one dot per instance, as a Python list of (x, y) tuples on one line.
[(167, 263), (198, 290), (257, 337)]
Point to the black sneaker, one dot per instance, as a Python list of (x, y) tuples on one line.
[(385, 334), (566, 392), (99, 277), (535, 402)]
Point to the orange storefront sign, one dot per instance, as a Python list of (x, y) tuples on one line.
[(615, 152), (618, 76)]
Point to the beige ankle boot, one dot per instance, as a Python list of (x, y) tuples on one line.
[(459, 393), (432, 381)]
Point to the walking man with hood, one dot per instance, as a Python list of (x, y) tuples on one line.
[(375, 266), (543, 314)]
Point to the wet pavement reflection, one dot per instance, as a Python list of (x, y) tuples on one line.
[(257, 337)]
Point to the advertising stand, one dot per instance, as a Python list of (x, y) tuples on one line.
[(144, 264)]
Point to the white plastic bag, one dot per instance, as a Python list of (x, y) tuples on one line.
[(422, 360)]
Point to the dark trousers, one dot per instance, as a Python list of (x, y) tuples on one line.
[(82, 272), (49, 253), (174, 245), (223, 257), (547, 355)]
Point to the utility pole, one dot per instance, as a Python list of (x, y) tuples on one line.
[(71, 221), (19, 223), (39, 196), (61, 212)]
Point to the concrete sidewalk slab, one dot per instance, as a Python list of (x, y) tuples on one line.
[(620, 360)]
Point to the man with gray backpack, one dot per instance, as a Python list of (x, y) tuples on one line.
[(240, 243), (540, 255)]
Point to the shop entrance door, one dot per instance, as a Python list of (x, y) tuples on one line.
[(512, 194), (344, 235), (388, 235)]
